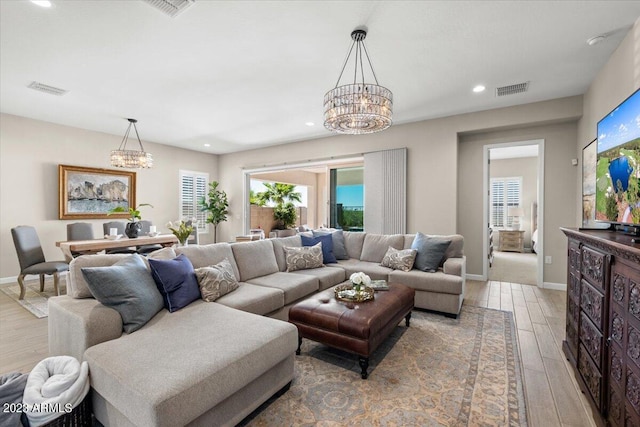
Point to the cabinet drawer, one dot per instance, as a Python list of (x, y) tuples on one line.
[(592, 303), (592, 339), (590, 375), (593, 266)]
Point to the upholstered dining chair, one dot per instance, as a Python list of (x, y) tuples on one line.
[(32, 260), (144, 231), (193, 239), (79, 231), (120, 226)]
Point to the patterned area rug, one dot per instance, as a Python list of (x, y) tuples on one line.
[(34, 300), (438, 372)]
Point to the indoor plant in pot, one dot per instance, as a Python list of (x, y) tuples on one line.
[(216, 206), (133, 226)]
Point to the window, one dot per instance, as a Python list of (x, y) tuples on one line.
[(505, 192), (193, 187)]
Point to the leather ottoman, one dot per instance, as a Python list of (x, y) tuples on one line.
[(357, 328)]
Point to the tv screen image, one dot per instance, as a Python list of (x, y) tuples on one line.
[(618, 164)]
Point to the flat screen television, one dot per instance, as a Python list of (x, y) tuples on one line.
[(618, 164)]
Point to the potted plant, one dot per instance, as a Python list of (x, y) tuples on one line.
[(133, 226), (217, 207), (181, 230), (283, 195)]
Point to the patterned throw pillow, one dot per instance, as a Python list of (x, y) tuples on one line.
[(216, 280), (303, 258), (399, 259)]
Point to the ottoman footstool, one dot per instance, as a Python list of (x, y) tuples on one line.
[(357, 328)]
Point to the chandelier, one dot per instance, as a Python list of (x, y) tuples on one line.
[(358, 107), (133, 159)]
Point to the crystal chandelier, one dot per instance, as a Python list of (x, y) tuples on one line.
[(133, 159), (359, 107)]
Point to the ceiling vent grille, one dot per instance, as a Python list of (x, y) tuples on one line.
[(47, 89), (170, 7), (512, 89)]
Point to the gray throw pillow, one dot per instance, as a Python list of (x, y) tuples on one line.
[(216, 280), (339, 246), (399, 259), (126, 286), (431, 250), (303, 258)]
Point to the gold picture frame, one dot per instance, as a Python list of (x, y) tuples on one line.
[(89, 193)]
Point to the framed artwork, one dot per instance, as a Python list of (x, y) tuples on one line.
[(90, 193), (589, 154)]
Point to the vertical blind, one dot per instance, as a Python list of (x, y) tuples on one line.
[(193, 187), (505, 193)]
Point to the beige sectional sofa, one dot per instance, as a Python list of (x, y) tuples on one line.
[(214, 363)]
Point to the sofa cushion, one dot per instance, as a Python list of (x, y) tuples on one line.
[(304, 258), (206, 255), (294, 286), (375, 246), (127, 287), (337, 237), (431, 251), (278, 249), (233, 349), (327, 276), (374, 270), (254, 299), (327, 247), (176, 281), (353, 241), (216, 280), (77, 286), (432, 282), (399, 259), (455, 249), (254, 259)]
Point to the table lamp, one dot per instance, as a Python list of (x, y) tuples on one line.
[(516, 212)]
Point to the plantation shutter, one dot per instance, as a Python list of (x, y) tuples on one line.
[(497, 203), (193, 187), (505, 193)]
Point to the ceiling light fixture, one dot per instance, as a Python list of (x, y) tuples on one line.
[(133, 159), (595, 40), (309, 124), (42, 3), (479, 89), (207, 145), (358, 107)]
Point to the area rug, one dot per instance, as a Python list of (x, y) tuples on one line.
[(437, 372), (34, 300), (514, 267)]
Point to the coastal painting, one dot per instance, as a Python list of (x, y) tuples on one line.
[(90, 193)]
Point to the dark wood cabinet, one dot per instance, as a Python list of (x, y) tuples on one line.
[(603, 322)]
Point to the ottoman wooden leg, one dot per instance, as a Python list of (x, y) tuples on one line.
[(299, 345), (364, 364), (407, 319)]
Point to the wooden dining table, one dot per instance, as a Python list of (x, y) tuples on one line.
[(97, 245)]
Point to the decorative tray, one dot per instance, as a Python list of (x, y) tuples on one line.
[(348, 294)]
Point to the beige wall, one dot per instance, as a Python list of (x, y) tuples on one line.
[(527, 168), (618, 79), (432, 181), (30, 151)]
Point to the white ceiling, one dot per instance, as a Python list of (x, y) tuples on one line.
[(244, 74)]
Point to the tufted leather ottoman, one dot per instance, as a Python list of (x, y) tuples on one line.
[(357, 328)]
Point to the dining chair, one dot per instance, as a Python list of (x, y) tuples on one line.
[(79, 231), (32, 260), (144, 231), (120, 226), (193, 239)]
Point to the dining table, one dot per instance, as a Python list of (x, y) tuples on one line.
[(98, 245)]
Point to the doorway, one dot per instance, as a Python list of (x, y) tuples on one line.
[(513, 212)]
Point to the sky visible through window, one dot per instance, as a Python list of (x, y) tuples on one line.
[(350, 195)]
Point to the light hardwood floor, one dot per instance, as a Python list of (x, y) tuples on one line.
[(552, 394)]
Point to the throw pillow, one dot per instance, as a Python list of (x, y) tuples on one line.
[(127, 287), (337, 238), (303, 258), (399, 259), (327, 247), (216, 280), (431, 250), (176, 281)]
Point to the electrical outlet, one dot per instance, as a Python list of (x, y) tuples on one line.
[(547, 260)]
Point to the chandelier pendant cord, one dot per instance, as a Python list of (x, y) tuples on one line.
[(345, 63), (361, 46), (123, 143)]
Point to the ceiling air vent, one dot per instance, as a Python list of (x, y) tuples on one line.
[(47, 89), (170, 7), (512, 89)]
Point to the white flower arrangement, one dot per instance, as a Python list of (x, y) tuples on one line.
[(359, 280)]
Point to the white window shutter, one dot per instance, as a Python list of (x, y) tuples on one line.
[(505, 193), (193, 187)]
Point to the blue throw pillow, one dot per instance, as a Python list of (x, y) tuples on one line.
[(431, 250), (327, 247), (127, 287), (337, 237), (176, 280)]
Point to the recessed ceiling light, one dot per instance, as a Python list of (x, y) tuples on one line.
[(42, 3), (479, 89), (595, 40), (207, 145), (309, 123)]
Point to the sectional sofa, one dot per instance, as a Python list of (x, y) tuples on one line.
[(214, 363)]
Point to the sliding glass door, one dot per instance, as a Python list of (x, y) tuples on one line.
[(346, 198)]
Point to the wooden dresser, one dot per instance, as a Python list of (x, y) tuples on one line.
[(603, 322), (511, 240)]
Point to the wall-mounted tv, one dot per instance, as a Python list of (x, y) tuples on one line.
[(618, 164)]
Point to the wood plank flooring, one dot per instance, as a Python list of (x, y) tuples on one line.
[(552, 394)]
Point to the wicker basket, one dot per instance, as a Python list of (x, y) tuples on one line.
[(80, 416)]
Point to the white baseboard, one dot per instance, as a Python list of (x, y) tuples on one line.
[(555, 286), (475, 277), (5, 280)]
